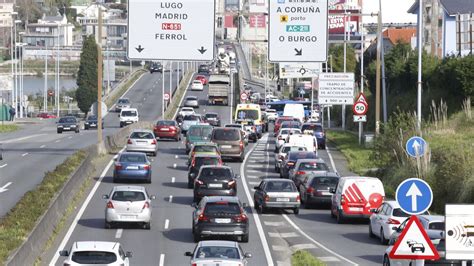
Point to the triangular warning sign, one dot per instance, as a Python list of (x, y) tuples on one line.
[(413, 243), (361, 98)]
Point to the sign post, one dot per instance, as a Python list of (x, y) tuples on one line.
[(181, 30), (298, 31), (459, 231)]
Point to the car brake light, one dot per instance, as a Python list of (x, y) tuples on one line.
[(110, 205), (203, 218), (240, 218), (118, 166), (241, 145), (298, 198), (193, 163), (301, 173), (153, 141), (146, 206), (194, 264), (231, 183), (156, 128), (66, 264), (392, 221), (199, 182), (343, 200), (267, 198), (310, 190), (290, 163), (146, 167), (129, 141), (280, 138)]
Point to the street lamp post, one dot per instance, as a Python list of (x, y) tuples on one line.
[(108, 68)]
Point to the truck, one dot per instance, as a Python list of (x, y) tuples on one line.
[(219, 87), (223, 61)]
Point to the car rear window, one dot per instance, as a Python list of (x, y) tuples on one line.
[(123, 101), (397, 212), (226, 134), (200, 161), (142, 135), (211, 115), (93, 257), (301, 155), (197, 82), (128, 196), (213, 208), (67, 120), (192, 118), (330, 181), (215, 173), (92, 117), (165, 123), (287, 149), (204, 148), (204, 132), (290, 124), (313, 166), (313, 127), (132, 158), (191, 98), (436, 226), (280, 186), (219, 252), (128, 113)]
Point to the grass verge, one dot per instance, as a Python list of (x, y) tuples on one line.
[(358, 156), (8, 128), (123, 88), (304, 258), (18, 223), (183, 85)]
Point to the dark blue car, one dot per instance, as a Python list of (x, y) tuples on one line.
[(318, 132), (133, 166)]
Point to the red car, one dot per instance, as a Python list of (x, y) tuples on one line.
[(280, 120), (167, 129), (46, 115), (201, 78)]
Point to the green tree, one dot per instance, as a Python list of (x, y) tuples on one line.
[(337, 52), (86, 93)]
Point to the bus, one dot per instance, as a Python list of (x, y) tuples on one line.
[(245, 113), (279, 106)]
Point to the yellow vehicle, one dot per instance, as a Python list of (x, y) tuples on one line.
[(250, 114)]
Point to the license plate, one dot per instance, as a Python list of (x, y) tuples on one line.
[(132, 167), (222, 220), (226, 146), (128, 216), (355, 209), (67, 128), (92, 124), (326, 193), (283, 199), (165, 129), (128, 122), (215, 185)]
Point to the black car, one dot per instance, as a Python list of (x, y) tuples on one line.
[(220, 216), (315, 189), (91, 122), (67, 123), (290, 161), (156, 67), (212, 119), (199, 160), (214, 180), (203, 69)]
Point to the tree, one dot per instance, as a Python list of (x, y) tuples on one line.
[(337, 51), (86, 93)]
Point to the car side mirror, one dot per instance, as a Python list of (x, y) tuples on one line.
[(188, 254), (153, 197), (118, 115), (332, 190), (248, 255), (128, 254), (256, 188), (244, 205), (395, 228), (63, 253), (105, 196), (374, 211), (194, 205), (237, 176)]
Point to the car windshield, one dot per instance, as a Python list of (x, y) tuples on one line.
[(398, 212), (67, 120), (165, 123), (93, 257), (200, 161), (191, 98), (436, 226), (142, 135), (197, 82), (128, 196), (313, 127), (92, 117), (132, 158), (204, 148), (290, 125), (128, 113), (248, 114), (211, 115), (313, 166), (330, 181), (123, 101), (287, 149), (280, 186), (204, 132), (234, 126), (301, 155), (223, 207), (226, 134), (209, 252), (191, 118), (215, 173), (187, 109), (289, 131)]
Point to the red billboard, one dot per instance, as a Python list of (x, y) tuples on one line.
[(257, 21), (336, 23)]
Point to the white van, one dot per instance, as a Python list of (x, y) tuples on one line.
[(128, 116), (295, 110), (308, 141), (356, 197)]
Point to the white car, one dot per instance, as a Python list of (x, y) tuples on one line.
[(142, 140), (96, 252), (128, 116), (283, 151), (197, 85), (218, 252), (272, 115), (283, 135), (383, 220), (186, 111)]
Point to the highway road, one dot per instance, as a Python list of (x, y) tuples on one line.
[(37, 148), (273, 236)]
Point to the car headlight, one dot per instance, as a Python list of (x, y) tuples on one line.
[(60, 125)]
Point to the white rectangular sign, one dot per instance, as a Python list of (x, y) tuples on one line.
[(299, 70), (360, 118), (336, 88), (298, 30), (459, 232), (171, 30)]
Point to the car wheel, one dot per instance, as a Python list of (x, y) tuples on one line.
[(60, 131), (262, 209), (108, 225), (147, 226), (121, 125), (190, 184), (77, 131), (241, 159), (296, 210), (196, 237), (332, 214), (383, 240), (340, 217), (245, 238), (386, 261), (148, 180), (153, 154), (86, 128), (371, 233), (277, 169)]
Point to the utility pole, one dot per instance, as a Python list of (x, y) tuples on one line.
[(377, 74), (99, 78), (384, 89), (163, 89), (420, 49), (362, 49), (343, 113), (45, 92)]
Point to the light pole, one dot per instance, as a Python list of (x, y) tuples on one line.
[(171, 79), (45, 92), (108, 68), (420, 49), (15, 76), (12, 53), (57, 75)]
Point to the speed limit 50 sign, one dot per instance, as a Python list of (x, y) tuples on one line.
[(359, 108)]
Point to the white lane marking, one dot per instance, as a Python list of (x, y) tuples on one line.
[(278, 248), (57, 141), (4, 188), (69, 137), (4, 165), (24, 154), (170, 198), (125, 93), (42, 146), (314, 241), (276, 224), (167, 224), (182, 98), (252, 177), (176, 156), (253, 171), (162, 260), (261, 233), (81, 211), (327, 259), (119, 232), (283, 235), (23, 138), (331, 159), (297, 247), (174, 165), (173, 179), (253, 183)]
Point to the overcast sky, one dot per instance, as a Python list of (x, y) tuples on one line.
[(392, 11)]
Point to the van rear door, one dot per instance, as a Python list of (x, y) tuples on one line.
[(360, 195)]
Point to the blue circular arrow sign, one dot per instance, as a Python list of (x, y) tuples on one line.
[(416, 146), (414, 196)]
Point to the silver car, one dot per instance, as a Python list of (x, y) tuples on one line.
[(142, 140), (189, 121), (191, 101), (128, 204), (283, 151), (122, 103), (306, 167), (276, 193), (217, 252)]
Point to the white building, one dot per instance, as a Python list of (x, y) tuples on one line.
[(49, 31)]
